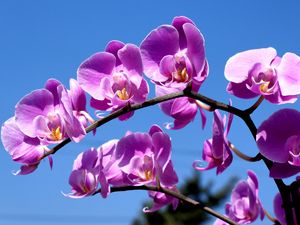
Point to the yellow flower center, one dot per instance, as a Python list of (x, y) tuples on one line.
[(56, 134), (181, 75), (122, 94), (148, 175), (264, 87)]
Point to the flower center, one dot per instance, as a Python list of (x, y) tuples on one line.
[(181, 75), (56, 134), (267, 81), (148, 175), (264, 87), (122, 94)]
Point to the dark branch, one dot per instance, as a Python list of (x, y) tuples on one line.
[(175, 195)]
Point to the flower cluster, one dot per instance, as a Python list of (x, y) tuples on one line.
[(43, 117), (136, 159), (173, 58)]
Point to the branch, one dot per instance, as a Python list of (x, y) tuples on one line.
[(251, 109), (175, 195), (256, 158), (129, 108), (117, 113)]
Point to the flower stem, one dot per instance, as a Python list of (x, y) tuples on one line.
[(251, 109), (272, 219), (243, 156), (174, 194)]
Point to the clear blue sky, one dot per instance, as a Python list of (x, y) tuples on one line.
[(43, 39)]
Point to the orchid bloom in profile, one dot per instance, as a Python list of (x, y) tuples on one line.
[(216, 151), (94, 167), (23, 149), (114, 78), (261, 72), (245, 206), (173, 57)]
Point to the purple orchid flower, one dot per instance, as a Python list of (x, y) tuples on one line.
[(48, 114), (278, 139), (136, 159), (114, 77), (173, 56), (94, 167), (278, 210), (160, 200), (183, 110), (261, 72), (216, 151), (23, 149), (245, 206), (84, 176), (145, 158), (45, 116)]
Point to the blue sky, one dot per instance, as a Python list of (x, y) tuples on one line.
[(43, 39)]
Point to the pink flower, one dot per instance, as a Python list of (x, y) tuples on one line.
[(245, 206), (23, 149), (261, 72), (50, 115), (94, 167), (145, 158), (278, 139), (84, 176), (43, 117), (183, 110), (114, 77), (216, 151), (173, 56), (136, 159)]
